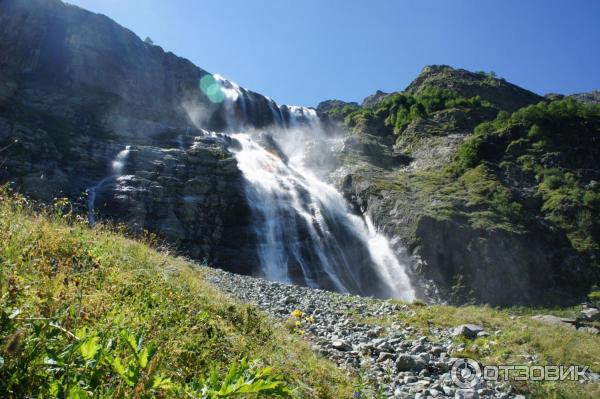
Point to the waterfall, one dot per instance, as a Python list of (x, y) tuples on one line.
[(181, 139), (276, 112), (245, 101), (119, 162), (306, 233), (389, 267), (91, 200), (303, 116), (117, 165), (235, 116)]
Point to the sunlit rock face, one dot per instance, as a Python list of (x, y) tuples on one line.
[(76, 89), (88, 69), (499, 92)]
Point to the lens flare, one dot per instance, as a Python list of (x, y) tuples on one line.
[(212, 88)]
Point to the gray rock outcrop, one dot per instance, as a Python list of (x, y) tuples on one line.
[(76, 88)]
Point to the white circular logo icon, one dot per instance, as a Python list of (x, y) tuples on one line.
[(466, 373)]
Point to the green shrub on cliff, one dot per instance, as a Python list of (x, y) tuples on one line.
[(469, 153), (398, 110), (556, 146), (344, 111)]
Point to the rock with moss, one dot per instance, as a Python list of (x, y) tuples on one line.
[(372, 100), (499, 92), (497, 208)]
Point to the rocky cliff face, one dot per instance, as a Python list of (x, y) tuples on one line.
[(592, 97), (86, 68), (483, 235), (192, 196), (76, 88)]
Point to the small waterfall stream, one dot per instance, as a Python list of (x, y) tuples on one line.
[(117, 165)]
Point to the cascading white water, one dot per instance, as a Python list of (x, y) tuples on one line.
[(276, 112), (91, 199), (307, 234), (390, 267), (303, 115), (119, 162), (274, 196), (117, 165), (304, 229)]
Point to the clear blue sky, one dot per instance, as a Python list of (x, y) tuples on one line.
[(302, 52)]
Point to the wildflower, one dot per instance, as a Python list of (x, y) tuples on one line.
[(297, 313)]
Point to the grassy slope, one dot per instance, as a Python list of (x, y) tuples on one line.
[(60, 279), (58, 276)]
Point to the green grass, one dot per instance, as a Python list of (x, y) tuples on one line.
[(518, 337), (476, 197), (554, 145), (90, 313)]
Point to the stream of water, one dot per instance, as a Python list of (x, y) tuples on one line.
[(116, 170)]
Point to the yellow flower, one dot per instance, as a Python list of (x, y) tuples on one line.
[(297, 313)]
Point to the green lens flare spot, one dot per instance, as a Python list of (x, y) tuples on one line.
[(212, 88), (206, 81)]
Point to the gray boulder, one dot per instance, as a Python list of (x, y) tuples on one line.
[(466, 394), (589, 314), (591, 330), (467, 330), (550, 319), (341, 345), (407, 362)]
